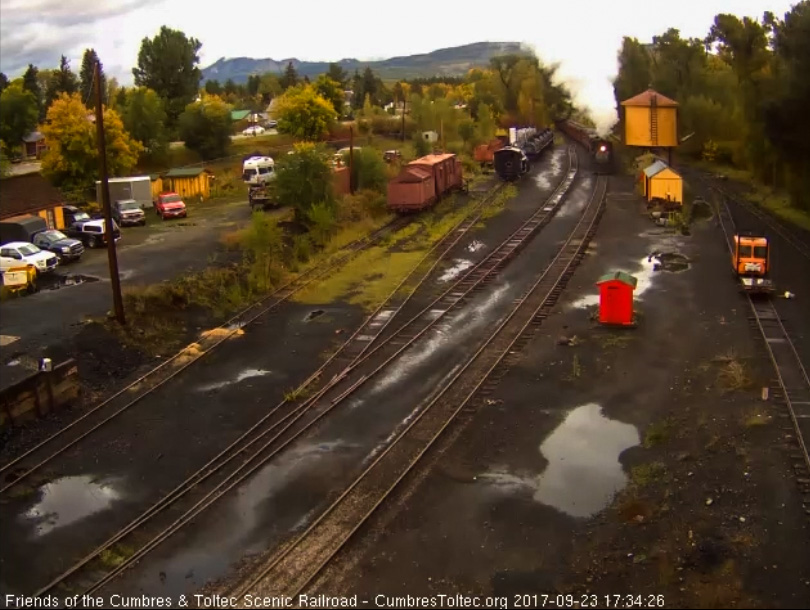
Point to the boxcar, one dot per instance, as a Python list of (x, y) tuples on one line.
[(423, 182)]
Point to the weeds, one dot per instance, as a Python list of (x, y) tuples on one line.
[(576, 368), (613, 339), (498, 204), (733, 376), (115, 555), (302, 391), (657, 433), (644, 474)]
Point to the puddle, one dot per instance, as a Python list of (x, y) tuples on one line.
[(475, 246), (246, 374), (314, 314), (68, 500), (12, 363), (543, 179), (234, 325), (584, 472), (61, 281), (671, 261), (458, 267)]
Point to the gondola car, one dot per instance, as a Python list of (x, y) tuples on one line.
[(510, 163), (600, 150)]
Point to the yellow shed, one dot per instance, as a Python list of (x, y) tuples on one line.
[(651, 120), (663, 182), (194, 183), (157, 185)]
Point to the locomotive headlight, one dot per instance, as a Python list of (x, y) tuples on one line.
[(603, 148)]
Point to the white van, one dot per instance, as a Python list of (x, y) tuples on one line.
[(258, 170)]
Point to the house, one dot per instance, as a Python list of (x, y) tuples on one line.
[(32, 194), (189, 183), (34, 145), (239, 115)]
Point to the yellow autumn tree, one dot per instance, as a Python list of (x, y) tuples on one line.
[(305, 114), (71, 160)]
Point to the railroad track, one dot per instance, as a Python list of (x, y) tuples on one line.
[(294, 568), (789, 236), (110, 408), (792, 383), (281, 431)]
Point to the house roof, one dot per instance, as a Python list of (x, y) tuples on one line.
[(27, 193), (185, 172), (34, 136), (238, 115), (655, 168), (645, 99), (619, 276)]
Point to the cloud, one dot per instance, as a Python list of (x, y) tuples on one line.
[(39, 31)]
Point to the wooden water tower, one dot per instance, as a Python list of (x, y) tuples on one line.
[(651, 122)]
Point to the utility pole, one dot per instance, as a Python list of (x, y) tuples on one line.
[(403, 116), (351, 159), (112, 257)]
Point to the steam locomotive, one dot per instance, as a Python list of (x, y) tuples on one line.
[(527, 143), (599, 149)]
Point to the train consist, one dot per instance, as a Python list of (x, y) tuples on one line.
[(422, 182), (600, 149), (528, 143)]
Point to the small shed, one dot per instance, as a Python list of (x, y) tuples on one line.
[(662, 182), (341, 181), (156, 185), (34, 145), (650, 120), (189, 183), (616, 298)]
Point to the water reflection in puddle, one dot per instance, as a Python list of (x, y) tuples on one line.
[(475, 246), (459, 265), (543, 179), (68, 500), (583, 472), (246, 374)]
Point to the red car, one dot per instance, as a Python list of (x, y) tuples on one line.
[(170, 205)]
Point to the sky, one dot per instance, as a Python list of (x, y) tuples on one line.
[(583, 35)]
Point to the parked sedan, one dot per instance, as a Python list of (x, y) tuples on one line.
[(66, 248), (253, 130)]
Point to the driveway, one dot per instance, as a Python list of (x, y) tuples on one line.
[(159, 251)]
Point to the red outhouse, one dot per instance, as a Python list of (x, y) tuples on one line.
[(616, 298)]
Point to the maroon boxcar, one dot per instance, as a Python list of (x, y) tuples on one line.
[(424, 181)]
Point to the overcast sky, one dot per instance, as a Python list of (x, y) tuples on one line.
[(584, 35)]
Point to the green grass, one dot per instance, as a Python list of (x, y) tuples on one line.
[(498, 204), (657, 433), (644, 474), (115, 555)]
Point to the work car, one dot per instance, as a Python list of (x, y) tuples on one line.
[(128, 212), (22, 254), (66, 248)]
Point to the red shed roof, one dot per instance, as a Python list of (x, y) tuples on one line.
[(645, 99), (432, 159), (619, 276)]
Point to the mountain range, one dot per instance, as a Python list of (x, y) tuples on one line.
[(453, 61)]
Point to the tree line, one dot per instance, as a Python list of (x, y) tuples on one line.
[(742, 89)]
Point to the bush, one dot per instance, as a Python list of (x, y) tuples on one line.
[(363, 204), (304, 179), (321, 221), (301, 248), (369, 170), (421, 146)]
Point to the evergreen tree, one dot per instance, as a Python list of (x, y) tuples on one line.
[(87, 84)]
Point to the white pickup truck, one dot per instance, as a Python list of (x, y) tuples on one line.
[(23, 254)]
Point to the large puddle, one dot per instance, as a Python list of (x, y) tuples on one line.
[(68, 500), (543, 179), (459, 266), (583, 473)]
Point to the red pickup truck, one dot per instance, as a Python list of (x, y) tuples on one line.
[(170, 205)]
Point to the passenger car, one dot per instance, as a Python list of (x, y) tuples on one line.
[(128, 212), (170, 205), (20, 254), (92, 233), (66, 248), (253, 130)]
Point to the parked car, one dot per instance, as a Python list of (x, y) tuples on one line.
[(128, 212), (271, 124), (390, 155), (73, 215), (22, 254), (253, 130), (170, 205), (66, 248), (92, 233)]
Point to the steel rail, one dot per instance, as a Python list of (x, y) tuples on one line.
[(330, 532), (216, 493)]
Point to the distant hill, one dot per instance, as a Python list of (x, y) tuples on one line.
[(454, 61)]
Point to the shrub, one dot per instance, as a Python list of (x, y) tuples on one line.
[(363, 204), (321, 221), (421, 146), (304, 179), (369, 171), (301, 248)]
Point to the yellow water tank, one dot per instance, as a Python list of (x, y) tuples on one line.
[(650, 120)]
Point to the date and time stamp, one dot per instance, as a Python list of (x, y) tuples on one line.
[(589, 600)]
